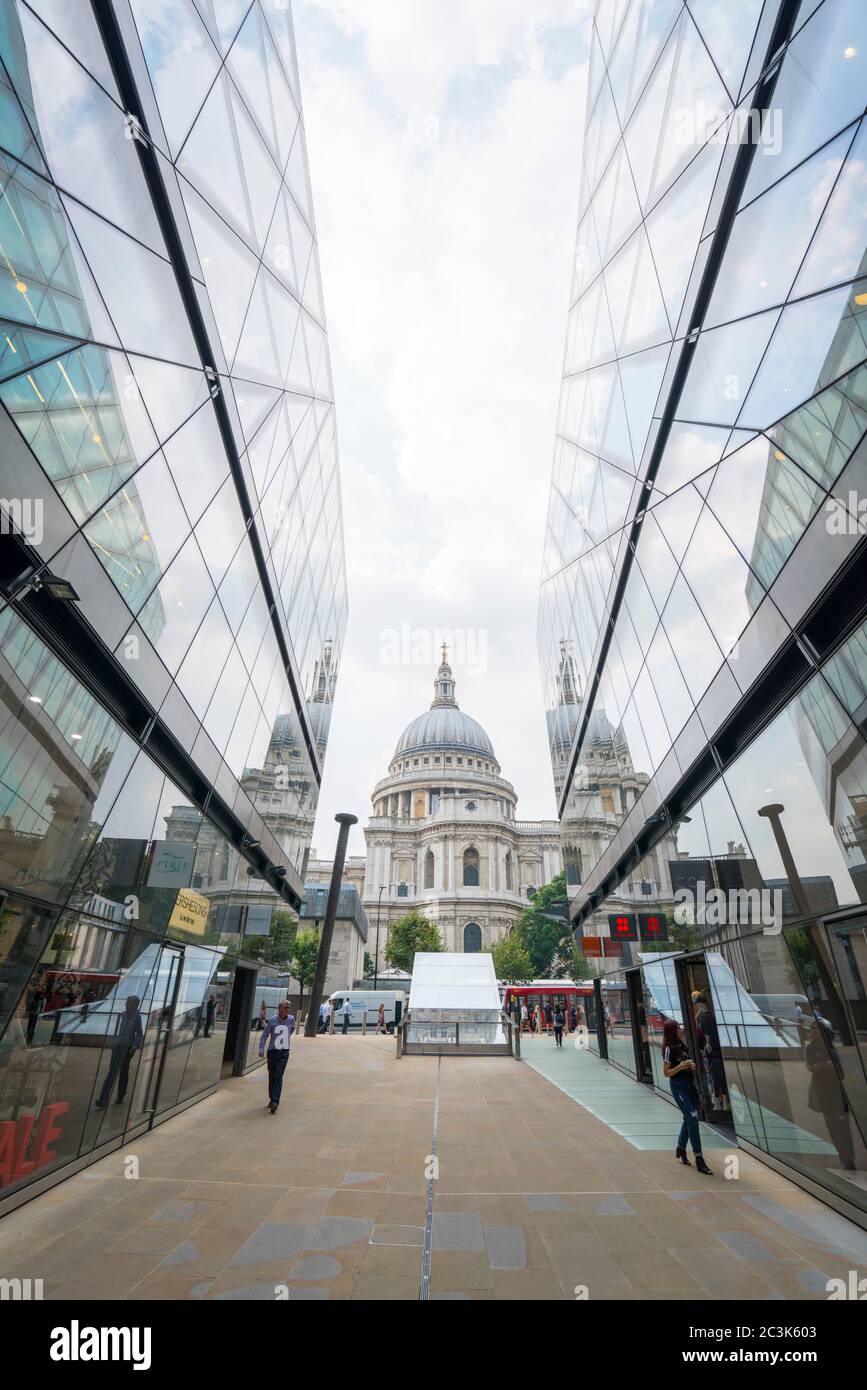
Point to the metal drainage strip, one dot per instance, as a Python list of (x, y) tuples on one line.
[(424, 1286)]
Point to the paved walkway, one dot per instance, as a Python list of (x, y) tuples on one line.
[(329, 1199), (644, 1119)]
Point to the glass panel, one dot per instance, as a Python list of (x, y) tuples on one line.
[(800, 846), (181, 59), (769, 238), (84, 135), (687, 631)]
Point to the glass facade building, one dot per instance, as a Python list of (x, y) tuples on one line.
[(172, 584), (702, 618)]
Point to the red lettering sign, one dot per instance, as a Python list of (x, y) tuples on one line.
[(15, 1140)]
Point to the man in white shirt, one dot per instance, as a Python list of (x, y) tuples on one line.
[(346, 1011), (275, 1036)]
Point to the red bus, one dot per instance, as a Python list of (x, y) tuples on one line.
[(543, 995)]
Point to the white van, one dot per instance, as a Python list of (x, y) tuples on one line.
[(367, 1001)]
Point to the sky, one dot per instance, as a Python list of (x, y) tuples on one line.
[(444, 145)]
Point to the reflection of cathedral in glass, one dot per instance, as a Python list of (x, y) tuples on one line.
[(174, 580), (704, 566)]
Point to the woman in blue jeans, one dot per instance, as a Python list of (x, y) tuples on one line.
[(679, 1067)]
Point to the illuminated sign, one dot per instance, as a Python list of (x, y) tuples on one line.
[(653, 926), (190, 912), (591, 946), (611, 947), (623, 926)]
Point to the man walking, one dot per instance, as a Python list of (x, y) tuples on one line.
[(127, 1040), (346, 1011), (275, 1036)]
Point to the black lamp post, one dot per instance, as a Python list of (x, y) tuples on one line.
[(344, 820), (378, 914), (774, 813)]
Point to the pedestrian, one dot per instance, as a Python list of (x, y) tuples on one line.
[(210, 1011), (329, 1010), (275, 1036), (573, 1018), (559, 1024), (346, 1012), (263, 1016), (525, 1018), (707, 1037), (679, 1067), (320, 1027), (380, 1020), (127, 1040), (34, 1010), (826, 1092), (609, 1021), (549, 1016)]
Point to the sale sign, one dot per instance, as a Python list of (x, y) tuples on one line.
[(25, 1144)]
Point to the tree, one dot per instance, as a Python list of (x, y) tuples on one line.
[(276, 948), (543, 932), (303, 962), (581, 967), (511, 962), (410, 933), (368, 964)]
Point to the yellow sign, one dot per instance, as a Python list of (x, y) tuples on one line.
[(190, 912)]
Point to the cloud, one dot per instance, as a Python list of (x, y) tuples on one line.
[(444, 150)]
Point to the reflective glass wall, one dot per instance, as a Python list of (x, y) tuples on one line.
[(708, 491), (167, 448)]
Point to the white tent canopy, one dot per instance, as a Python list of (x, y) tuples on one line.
[(454, 981), (454, 996)]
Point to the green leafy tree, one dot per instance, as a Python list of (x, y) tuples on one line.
[(682, 936), (284, 930), (368, 964), (303, 962), (582, 968), (410, 933), (544, 934), (277, 947), (511, 961)]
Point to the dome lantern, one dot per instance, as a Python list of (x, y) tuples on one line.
[(445, 727)]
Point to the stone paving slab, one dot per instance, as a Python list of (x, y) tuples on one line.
[(537, 1194)]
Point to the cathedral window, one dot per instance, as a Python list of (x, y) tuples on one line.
[(472, 937), (471, 868), (509, 871), (429, 869)]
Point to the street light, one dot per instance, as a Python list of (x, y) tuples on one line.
[(378, 914), (773, 813)]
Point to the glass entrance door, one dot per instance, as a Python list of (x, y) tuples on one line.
[(638, 1018), (599, 1019), (158, 1012), (703, 1036)]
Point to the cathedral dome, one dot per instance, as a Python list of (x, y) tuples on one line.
[(444, 728), (444, 725)]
